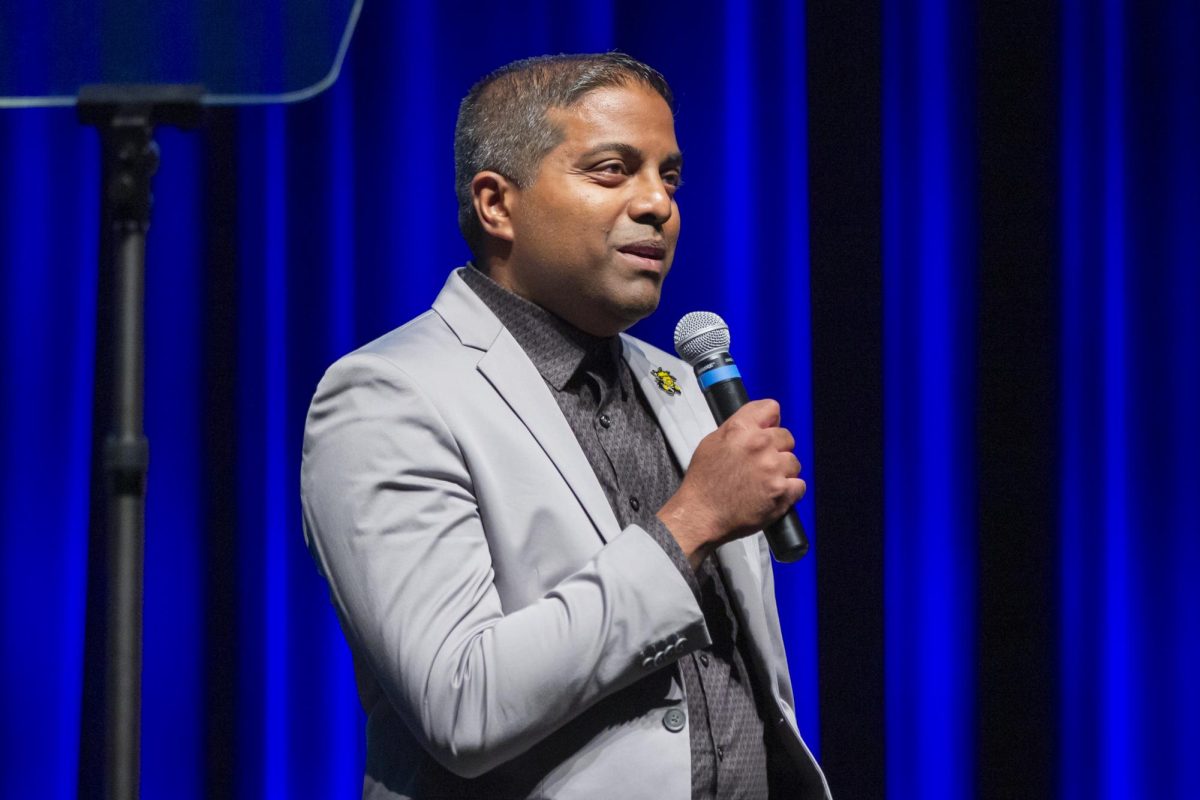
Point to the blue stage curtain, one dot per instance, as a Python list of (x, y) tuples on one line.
[(1128, 640), (929, 267), (47, 321), (1130, 617), (283, 238)]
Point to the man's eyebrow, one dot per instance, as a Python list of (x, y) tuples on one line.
[(629, 151)]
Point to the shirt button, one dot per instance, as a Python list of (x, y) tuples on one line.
[(674, 720), (605, 421), (634, 503), (704, 659), (720, 753)]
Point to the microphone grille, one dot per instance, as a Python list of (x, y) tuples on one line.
[(700, 333)]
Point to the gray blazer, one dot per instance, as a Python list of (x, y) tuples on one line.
[(501, 620)]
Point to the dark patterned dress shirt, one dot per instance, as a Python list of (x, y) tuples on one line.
[(626, 449)]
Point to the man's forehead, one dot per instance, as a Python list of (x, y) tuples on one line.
[(616, 115), (616, 101)]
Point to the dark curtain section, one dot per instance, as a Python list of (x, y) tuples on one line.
[(847, 311), (1017, 400), (220, 456)]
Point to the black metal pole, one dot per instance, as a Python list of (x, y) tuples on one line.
[(126, 116), (135, 157)]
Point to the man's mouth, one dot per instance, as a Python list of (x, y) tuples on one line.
[(651, 249)]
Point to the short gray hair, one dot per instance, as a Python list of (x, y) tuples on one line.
[(502, 122)]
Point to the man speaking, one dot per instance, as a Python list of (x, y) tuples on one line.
[(545, 556)]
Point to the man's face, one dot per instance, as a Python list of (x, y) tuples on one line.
[(594, 233)]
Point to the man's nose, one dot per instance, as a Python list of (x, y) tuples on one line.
[(652, 202)]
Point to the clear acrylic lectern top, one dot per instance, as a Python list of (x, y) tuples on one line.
[(241, 52)]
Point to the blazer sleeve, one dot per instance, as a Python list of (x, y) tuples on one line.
[(391, 518)]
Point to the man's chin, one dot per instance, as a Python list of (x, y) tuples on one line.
[(637, 309)]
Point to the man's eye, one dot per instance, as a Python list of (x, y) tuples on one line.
[(673, 179), (611, 168)]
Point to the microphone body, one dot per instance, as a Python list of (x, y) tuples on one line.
[(721, 382)]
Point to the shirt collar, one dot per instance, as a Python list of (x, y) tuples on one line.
[(556, 347)]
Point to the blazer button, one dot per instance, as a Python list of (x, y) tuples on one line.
[(674, 720), (634, 503)]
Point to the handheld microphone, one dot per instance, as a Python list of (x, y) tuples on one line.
[(702, 340)]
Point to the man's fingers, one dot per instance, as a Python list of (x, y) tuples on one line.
[(782, 439), (796, 487), (763, 413), (791, 464)]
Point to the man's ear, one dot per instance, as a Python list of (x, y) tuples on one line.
[(494, 196)]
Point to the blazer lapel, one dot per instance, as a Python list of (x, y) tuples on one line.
[(674, 412), (517, 380), (508, 369)]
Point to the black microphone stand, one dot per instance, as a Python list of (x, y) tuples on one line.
[(125, 116)]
